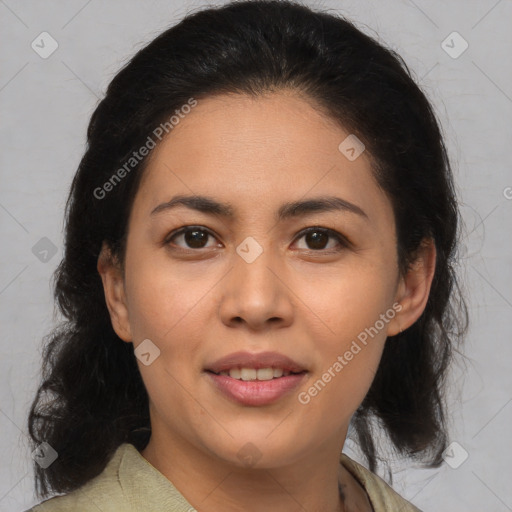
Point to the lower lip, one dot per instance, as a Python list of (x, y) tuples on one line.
[(256, 392)]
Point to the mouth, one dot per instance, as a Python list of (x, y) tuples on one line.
[(249, 391), (255, 379), (259, 366), (256, 374)]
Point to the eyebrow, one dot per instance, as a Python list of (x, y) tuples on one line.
[(287, 210)]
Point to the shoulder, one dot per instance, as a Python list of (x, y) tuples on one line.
[(129, 483), (381, 495), (103, 492)]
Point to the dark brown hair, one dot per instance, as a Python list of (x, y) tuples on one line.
[(92, 397)]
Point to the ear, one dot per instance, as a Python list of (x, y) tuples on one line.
[(115, 297), (414, 288)]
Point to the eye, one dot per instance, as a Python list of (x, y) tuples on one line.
[(194, 236), (317, 239)]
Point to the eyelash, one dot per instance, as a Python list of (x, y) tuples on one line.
[(342, 240)]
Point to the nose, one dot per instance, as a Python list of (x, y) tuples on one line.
[(256, 294)]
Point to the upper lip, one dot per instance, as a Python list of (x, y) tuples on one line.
[(259, 360)]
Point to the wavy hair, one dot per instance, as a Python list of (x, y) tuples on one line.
[(91, 397)]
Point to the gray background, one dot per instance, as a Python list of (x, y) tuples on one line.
[(45, 105)]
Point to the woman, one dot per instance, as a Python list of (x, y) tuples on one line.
[(259, 248)]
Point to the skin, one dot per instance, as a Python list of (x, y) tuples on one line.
[(199, 304)]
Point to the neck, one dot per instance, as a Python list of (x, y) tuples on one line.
[(209, 483)]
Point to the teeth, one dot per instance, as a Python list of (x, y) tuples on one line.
[(265, 374), (234, 373), (248, 374)]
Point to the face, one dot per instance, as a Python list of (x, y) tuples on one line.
[(305, 283)]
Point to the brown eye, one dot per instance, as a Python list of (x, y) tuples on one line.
[(193, 237), (317, 239)]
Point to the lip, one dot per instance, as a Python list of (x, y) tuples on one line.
[(256, 392), (257, 361)]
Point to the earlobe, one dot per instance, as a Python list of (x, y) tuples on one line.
[(414, 288), (115, 297)]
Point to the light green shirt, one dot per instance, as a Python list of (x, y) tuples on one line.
[(129, 483)]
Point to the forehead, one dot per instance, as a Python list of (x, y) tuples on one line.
[(257, 152), (279, 127)]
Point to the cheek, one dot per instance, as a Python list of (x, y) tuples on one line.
[(331, 399), (350, 301), (349, 362), (357, 312), (166, 307), (160, 297)]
